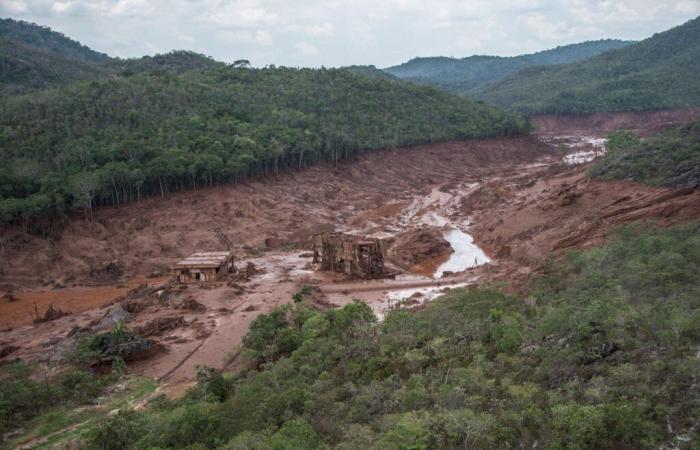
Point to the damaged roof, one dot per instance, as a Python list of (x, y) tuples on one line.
[(204, 260)]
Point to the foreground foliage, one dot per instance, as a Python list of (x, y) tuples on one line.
[(25, 394), (602, 353), (656, 73), (671, 158)]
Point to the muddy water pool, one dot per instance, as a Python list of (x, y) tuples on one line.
[(466, 254)]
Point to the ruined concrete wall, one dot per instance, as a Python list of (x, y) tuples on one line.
[(360, 258), (190, 275)]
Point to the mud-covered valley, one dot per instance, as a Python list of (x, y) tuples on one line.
[(456, 213)]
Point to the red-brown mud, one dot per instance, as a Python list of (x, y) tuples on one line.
[(513, 195)]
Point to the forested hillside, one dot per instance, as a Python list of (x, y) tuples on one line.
[(370, 71), (672, 158), (23, 68), (112, 141), (659, 72), (601, 353), (464, 75)]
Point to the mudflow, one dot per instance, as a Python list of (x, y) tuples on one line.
[(509, 203)]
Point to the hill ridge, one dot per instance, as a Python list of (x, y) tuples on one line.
[(463, 75), (656, 73)]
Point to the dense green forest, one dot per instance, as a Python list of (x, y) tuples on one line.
[(24, 68), (659, 72), (465, 75), (114, 141), (671, 158), (598, 352), (152, 125)]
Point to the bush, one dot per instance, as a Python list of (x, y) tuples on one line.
[(117, 432)]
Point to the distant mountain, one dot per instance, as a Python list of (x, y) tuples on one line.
[(659, 72), (370, 71), (24, 68), (44, 38), (36, 57), (177, 61), (463, 75)]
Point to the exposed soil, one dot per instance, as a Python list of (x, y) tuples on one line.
[(645, 124), (21, 311), (560, 209), (515, 196)]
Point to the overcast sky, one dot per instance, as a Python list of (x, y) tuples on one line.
[(339, 32)]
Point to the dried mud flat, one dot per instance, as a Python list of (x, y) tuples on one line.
[(514, 195)]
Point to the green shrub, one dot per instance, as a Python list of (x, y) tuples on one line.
[(117, 432)]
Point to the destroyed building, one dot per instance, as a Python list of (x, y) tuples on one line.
[(354, 256), (204, 266)]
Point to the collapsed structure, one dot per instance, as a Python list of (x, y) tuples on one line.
[(204, 266), (354, 256)]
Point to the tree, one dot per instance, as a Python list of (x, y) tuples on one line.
[(83, 186)]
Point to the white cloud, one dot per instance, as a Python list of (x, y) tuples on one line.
[(131, 8), (343, 32), (263, 37), (306, 49), (13, 6), (325, 29), (687, 7), (243, 14), (60, 7)]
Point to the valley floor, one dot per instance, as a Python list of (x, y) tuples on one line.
[(517, 197)]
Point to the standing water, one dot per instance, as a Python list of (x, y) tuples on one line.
[(466, 253)]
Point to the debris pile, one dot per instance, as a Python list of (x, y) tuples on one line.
[(418, 246), (157, 326), (50, 314)]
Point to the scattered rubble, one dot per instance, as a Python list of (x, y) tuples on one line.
[(157, 326), (113, 316), (50, 314), (109, 272), (7, 350), (191, 304), (9, 298), (250, 270)]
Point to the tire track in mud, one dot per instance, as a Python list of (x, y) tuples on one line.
[(228, 332), (196, 349)]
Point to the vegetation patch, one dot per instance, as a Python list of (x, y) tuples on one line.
[(671, 158)]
